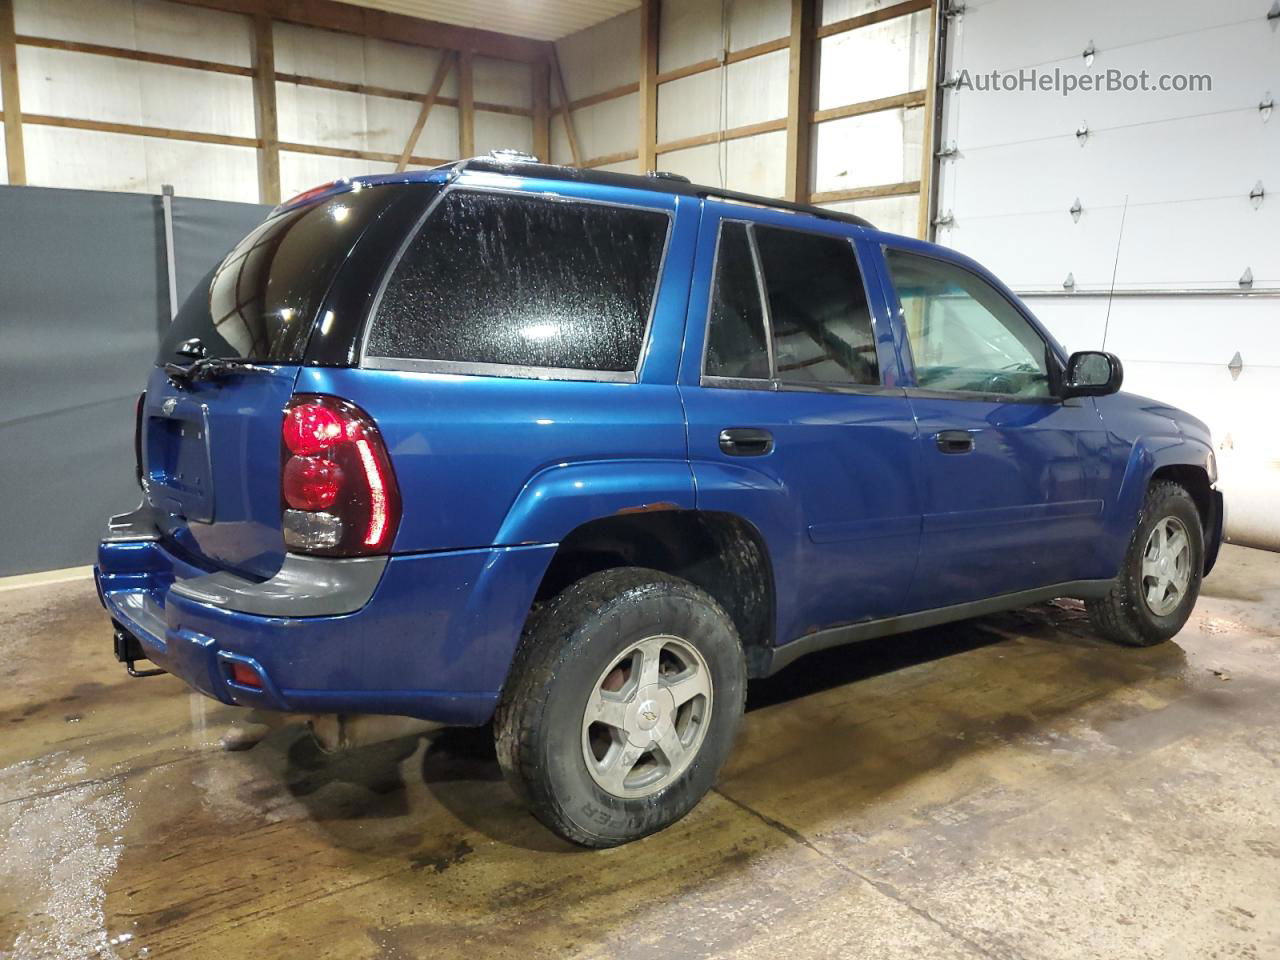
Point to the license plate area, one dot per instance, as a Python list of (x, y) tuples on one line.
[(179, 473)]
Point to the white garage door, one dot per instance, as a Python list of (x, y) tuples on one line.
[(1197, 279)]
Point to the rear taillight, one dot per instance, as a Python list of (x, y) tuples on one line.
[(137, 437), (339, 494)]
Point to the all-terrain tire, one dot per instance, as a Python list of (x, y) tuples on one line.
[(1124, 615), (573, 640)]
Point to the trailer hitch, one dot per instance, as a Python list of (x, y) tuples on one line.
[(128, 651)]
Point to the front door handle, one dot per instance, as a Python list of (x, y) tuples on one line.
[(955, 441), (746, 441)]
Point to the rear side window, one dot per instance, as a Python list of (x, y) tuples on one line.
[(822, 329), (736, 345), (524, 281), (260, 303)]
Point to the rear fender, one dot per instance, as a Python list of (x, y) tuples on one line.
[(563, 497)]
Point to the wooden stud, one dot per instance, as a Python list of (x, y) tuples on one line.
[(604, 161), (351, 154), (466, 104), (867, 193), (875, 16), (15, 155), (138, 130), (800, 99), (124, 53), (733, 56), (383, 25), (718, 136), (265, 113), (389, 93), (603, 97), (557, 75), (927, 146), (913, 98), (650, 22), (540, 80), (428, 101)]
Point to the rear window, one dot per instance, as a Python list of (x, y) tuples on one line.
[(523, 281), (260, 303)]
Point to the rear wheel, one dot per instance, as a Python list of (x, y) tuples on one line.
[(1160, 579), (623, 703)]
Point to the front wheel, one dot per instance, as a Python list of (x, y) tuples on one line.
[(1160, 579), (622, 705)]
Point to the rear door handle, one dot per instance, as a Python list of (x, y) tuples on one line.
[(955, 441), (746, 441)]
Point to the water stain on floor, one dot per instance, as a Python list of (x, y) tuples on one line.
[(1006, 787)]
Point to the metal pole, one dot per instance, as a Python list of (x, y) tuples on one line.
[(171, 264)]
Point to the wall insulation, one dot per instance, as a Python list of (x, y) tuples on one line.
[(327, 127)]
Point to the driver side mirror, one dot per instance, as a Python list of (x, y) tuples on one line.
[(1092, 373)]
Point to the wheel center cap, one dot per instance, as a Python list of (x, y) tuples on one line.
[(648, 714)]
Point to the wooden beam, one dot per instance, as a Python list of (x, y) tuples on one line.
[(351, 154), (557, 76), (604, 96), (466, 105), (650, 21), (903, 189), (734, 56), (428, 101), (389, 93), (383, 25), (927, 146), (800, 99), (718, 136), (540, 80), (875, 16), (913, 98), (608, 158), (264, 110), (138, 130), (142, 56), (14, 154)]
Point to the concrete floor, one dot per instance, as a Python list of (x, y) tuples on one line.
[(1008, 787)]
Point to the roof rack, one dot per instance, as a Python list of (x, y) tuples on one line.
[(656, 181)]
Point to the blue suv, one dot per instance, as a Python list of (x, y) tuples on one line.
[(579, 453)]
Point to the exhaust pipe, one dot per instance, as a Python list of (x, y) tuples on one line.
[(336, 732)]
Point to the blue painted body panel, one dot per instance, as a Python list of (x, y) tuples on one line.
[(862, 516)]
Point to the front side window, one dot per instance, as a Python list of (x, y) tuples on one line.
[(822, 331), (524, 281), (736, 345), (964, 335)]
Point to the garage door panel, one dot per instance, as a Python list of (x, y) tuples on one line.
[(1240, 61), (999, 34), (1233, 152), (1038, 250)]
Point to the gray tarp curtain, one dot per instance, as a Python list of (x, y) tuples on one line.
[(83, 297)]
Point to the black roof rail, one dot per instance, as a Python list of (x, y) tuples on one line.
[(656, 181)]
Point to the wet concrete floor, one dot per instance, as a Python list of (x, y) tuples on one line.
[(1004, 788)]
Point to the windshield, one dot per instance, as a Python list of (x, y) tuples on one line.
[(260, 303)]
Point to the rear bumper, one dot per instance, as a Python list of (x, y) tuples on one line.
[(426, 635)]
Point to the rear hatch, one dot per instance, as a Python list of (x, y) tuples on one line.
[(209, 432)]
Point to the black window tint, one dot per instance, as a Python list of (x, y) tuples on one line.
[(260, 303), (818, 306), (528, 281), (735, 334)]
